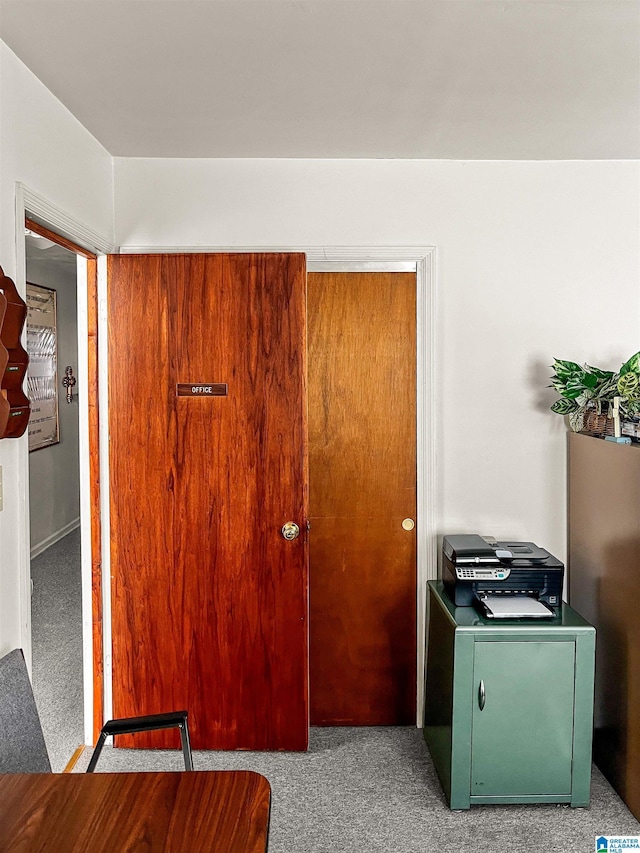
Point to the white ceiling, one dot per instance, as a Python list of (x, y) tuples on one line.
[(459, 79)]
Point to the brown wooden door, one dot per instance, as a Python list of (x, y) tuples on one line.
[(209, 601), (362, 463)]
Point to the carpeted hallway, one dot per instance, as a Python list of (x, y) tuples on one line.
[(357, 790), (56, 615)]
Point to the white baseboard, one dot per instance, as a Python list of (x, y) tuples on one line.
[(38, 549)]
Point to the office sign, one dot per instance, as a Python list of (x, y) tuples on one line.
[(201, 389)]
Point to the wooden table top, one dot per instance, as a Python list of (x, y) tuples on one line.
[(218, 811)]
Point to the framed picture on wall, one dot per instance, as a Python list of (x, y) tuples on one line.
[(42, 374)]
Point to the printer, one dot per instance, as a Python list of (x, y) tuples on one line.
[(477, 570)]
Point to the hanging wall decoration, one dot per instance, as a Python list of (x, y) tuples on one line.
[(14, 404), (4, 358), (42, 377)]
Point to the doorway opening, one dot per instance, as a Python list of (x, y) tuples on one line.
[(61, 569), (54, 495)]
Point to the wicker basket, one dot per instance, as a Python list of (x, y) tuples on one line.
[(595, 424)]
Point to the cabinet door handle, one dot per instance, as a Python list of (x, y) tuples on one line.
[(482, 696)]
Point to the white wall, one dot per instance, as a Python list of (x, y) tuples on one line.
[(43, 146), (535, 260), (54, 477)]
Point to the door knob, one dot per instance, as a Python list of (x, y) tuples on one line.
[(290, 530)]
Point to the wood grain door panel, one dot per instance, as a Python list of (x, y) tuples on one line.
[(362, 457), (361, 592), (209, 601)]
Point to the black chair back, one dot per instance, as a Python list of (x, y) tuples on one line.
[(22, 745)]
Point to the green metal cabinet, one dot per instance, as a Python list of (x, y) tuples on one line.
[(509, 705)]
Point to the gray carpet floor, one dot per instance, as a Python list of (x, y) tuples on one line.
[(56, 618), (374, 790), (357, 790)]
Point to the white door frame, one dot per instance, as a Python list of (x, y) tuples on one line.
[(35, 206), (422, 260)]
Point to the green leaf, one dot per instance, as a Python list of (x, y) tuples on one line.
[(583, 399), (573, 388), (590, 379), (564, 407), (564, 369), (565, 365), (576, 420), (628, 384), (601, 375), (633, 364)]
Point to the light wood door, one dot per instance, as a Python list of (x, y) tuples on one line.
[(209, 601), (362, 458)]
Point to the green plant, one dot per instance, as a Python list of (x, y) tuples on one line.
[(584, 388), (628, 386)]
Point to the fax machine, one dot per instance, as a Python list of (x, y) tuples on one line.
[(476, 568)]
